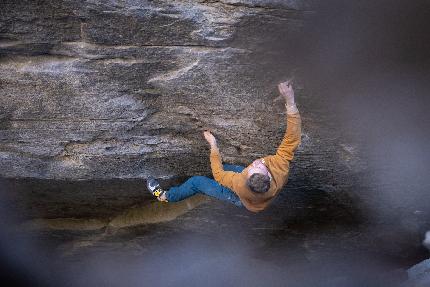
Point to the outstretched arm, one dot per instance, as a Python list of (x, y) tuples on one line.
[(292, 136), (220, 175)]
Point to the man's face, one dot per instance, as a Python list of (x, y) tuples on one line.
[(257, 167)]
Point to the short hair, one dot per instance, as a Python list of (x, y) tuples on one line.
[(259, 182)]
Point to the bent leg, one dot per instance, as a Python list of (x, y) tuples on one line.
[(231, 167), (205, 185)]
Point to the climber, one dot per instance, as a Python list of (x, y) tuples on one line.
[(253, 187)]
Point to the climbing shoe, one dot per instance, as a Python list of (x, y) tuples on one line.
[(154, 187)]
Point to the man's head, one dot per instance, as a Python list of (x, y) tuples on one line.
[(258, 177)]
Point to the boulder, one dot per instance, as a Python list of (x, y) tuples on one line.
[(101, 90), (419, 274)]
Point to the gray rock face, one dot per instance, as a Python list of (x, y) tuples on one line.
[(98, 90)]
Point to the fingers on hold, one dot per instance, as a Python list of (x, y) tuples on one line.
[(284, 88)]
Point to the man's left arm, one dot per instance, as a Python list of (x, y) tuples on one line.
[(223, 177)]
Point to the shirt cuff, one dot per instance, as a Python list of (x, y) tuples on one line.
[(291, 109)]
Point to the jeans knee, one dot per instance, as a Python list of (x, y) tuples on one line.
[(196, 179)]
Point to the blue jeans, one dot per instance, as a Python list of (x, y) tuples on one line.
[(205, 185)]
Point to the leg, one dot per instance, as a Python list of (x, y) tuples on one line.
[(231, 167), (205, 185)]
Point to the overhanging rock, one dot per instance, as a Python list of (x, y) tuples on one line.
[(106, 90)]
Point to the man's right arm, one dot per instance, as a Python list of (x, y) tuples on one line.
[(279, 163), (292, 137)]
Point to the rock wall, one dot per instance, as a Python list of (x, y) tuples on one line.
[(123, 89)]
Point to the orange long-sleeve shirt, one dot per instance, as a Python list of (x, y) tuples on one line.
[(278, 165)]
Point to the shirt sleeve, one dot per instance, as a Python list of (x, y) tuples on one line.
[(225, 178), (292, 138)]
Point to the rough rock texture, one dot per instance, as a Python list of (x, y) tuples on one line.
[(96, 90), (106, 89)]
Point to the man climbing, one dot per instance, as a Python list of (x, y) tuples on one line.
[(254, 186)]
